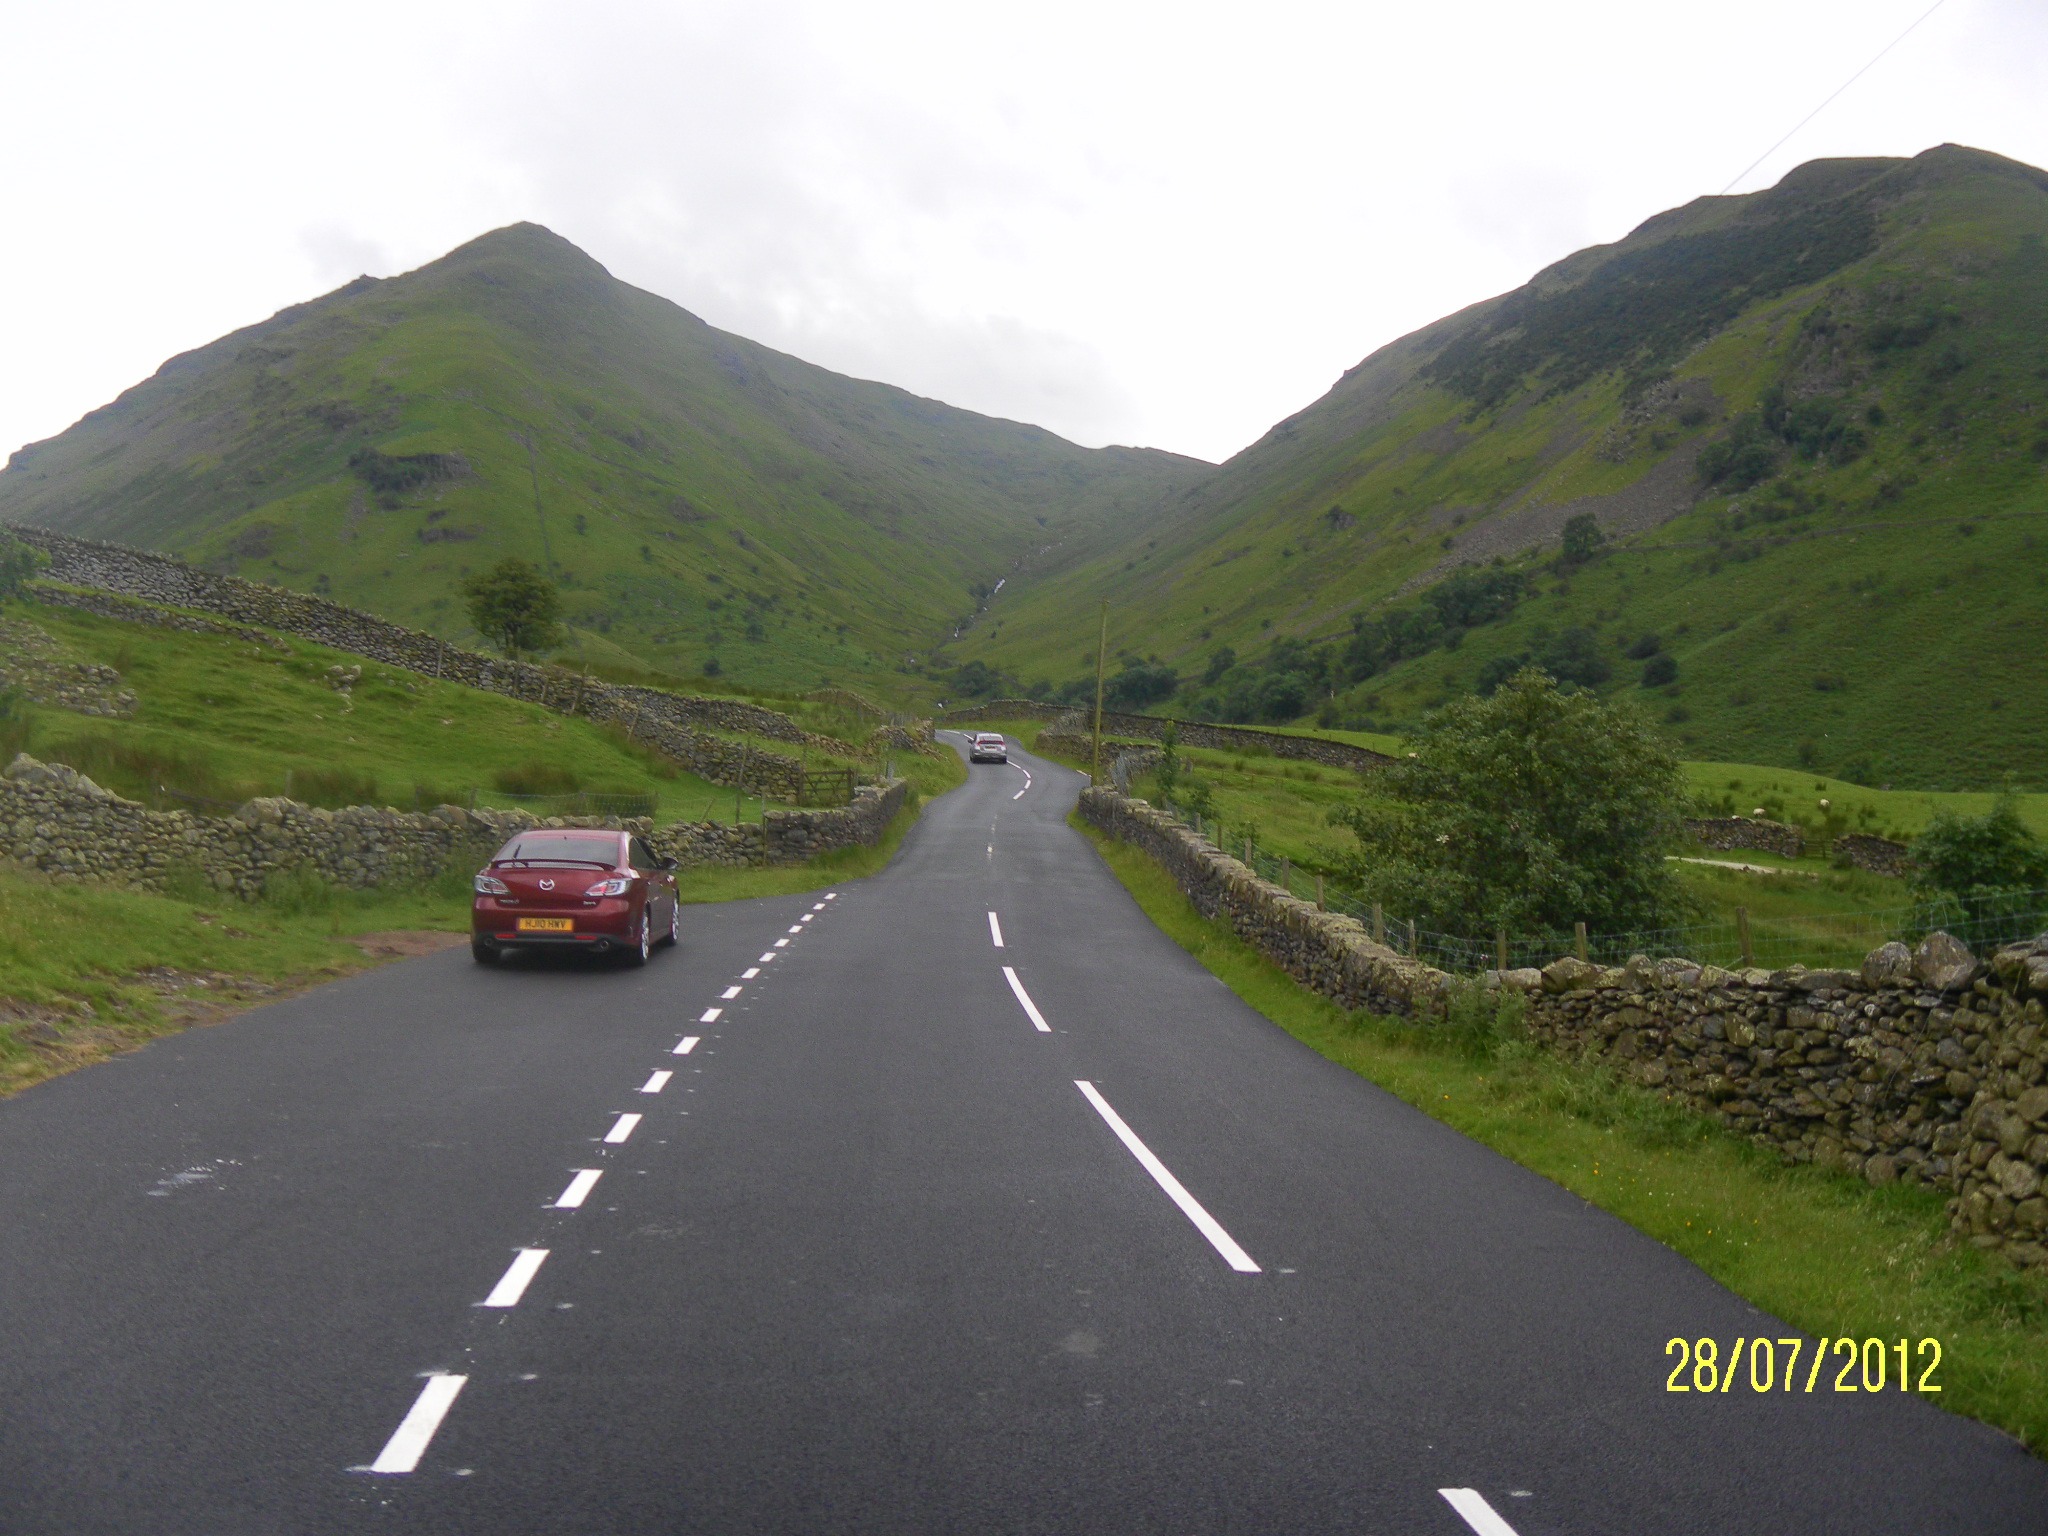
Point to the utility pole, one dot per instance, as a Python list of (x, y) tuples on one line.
[(1101, 654)]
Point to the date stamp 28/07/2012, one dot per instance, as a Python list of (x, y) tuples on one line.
[(1858, 1365)]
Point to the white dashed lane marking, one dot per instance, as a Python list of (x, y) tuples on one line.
[(766, 958), (782, 943), (1473, 1509), (995, 930), (579, 1188), (415, 1432), (656, 1081), (687, 1044), (621, 1129), (730, 993), (750, 973), (507, 1291), (796, 928), (1024, 998), (1190, 1207), (1027, 780)]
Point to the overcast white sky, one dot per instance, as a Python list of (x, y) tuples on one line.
[(1167, 224)]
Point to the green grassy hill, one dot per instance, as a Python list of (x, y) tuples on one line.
[(698, 496), (1808, 421)]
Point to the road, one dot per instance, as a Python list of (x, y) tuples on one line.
[(878, 1254)]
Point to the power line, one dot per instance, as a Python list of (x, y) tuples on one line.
[(1816, 112)]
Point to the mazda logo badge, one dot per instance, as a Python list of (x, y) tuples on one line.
[(547, 885)]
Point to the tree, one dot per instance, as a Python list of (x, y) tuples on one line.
[(1582, 539), (1138, 684), (515, 607), (1660, 669), (1530, 810), (1976, 856), (18, 564)]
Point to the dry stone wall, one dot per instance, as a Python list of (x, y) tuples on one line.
[(56, 820), (1731, 832), (1926, 1064), (1193, 733), (665, 721)]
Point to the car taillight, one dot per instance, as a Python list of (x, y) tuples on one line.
[(618, 885), (490, 885)]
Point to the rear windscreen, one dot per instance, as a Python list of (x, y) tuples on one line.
[(561, 850)]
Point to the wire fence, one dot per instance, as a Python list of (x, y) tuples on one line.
[(583, 802), (1771, 941)]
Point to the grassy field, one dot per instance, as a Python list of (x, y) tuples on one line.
[(1797, 909), (222, 719), (1830, 1255)]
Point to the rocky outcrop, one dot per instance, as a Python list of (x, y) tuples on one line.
[(1927, 1064)]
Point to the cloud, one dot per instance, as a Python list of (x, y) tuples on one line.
[(338, 255)]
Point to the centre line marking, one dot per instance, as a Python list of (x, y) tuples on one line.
[(1473, 1509), (766, 958), (656, 1081), (409, 1442), (1030, 1008), (831, 895), (804, 919), (709, 1015), (579, 1188), (995, 930), (687, 1045), (796, 928), (782, 943), (506, 1292), (819, 907), (750, 973), (1190, 1207), (730, 993), (1027, 780), (621, 1130)]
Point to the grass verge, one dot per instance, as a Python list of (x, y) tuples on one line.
[(1830, 1255), (87, 971)]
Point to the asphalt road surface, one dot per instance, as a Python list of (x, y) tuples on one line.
[(901, 1230)]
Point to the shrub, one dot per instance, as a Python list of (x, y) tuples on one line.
[(18, 565), (1972, 856), (537, 777), (1645, 648), (1659, 670)]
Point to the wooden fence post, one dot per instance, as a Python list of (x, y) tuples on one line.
[(1414, 941), (1500, 949), (1286, 874), (1379, 924), (1319, 895), (1742, 933), (1580, 940)]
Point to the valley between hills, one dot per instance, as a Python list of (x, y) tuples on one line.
[(1772, 465)]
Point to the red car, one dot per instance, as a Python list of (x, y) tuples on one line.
[(599, 892)]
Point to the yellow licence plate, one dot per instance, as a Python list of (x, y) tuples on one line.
[(546, 925)]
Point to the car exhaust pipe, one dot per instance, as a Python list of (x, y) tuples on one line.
[(604, 946)]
